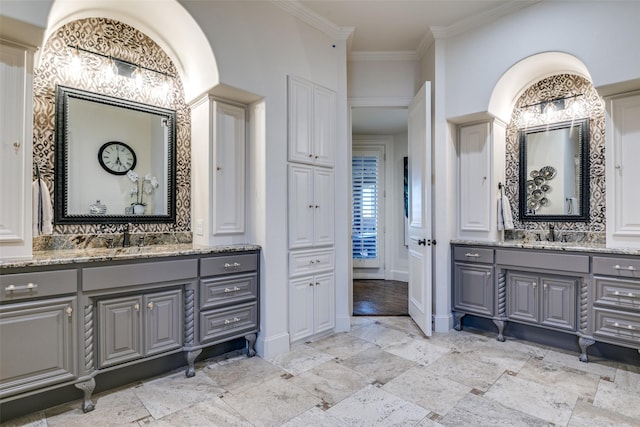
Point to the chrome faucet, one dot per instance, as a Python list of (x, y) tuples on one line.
[(126, 237), (552, 234)]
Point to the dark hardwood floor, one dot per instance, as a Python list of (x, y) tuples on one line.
[(380, 298)]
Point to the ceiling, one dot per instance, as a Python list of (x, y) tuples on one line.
[(399, 26)]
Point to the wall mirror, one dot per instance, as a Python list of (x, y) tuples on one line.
[(554, 172), (115, 160)]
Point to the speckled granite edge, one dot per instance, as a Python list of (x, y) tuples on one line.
[(77, 256), (553, 246)]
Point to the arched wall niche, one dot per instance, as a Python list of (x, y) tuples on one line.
[(529, 81), (188, 48)]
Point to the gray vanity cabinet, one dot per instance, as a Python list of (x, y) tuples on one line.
[(616, 306), (473, 285), (138, 326), (540, 299), (38, 312), (38, 344)]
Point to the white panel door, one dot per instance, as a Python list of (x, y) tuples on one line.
[(15, 146), (323, 206), (420, 220), (301, 316), (229, 161), (301, 206), (475, 183), (324, 302), (623, 174), (300, 120), (324, 128)]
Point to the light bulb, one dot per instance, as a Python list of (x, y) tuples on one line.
[(137, 77), (111, 70)]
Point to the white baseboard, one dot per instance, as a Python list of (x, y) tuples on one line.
[(401, 276), (273, 346), (443, 323)]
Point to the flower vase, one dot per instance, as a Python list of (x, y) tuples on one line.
[(138, 209)]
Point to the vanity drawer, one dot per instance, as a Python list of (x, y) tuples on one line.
[(618, 293), (117, 276), (38, 284), (549, 260), (216, 292), (306, 262), (617, 326), (620, 267), (221, 325), (228, 264), (473, 254)]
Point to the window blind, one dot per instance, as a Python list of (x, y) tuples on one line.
[(365, 170)]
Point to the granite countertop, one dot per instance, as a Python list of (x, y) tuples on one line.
[(75, 256), (555, 246)]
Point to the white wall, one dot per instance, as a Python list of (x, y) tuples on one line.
[(380, 80)]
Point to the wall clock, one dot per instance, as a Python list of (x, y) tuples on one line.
[(116, 157)]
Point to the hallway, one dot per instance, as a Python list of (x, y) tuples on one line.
[(380, 298), (381, 373)]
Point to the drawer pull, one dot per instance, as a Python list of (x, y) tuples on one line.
[(231, 266), (470, 255), (234, 289), (28, 287), (618, 267), (629, 294), (234, 320), (623, 326)]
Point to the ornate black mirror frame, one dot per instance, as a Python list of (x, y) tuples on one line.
[(61, 191), (580, 126)]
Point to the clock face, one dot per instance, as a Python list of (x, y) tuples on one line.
[(116, 157)]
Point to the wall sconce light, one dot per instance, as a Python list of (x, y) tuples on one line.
[(118, 66), (548, 109)]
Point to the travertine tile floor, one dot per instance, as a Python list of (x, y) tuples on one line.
[(382, 373)]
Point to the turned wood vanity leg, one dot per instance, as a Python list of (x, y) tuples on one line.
[(458, 324), (87, 388), (585, 343), (251, 342), (500, 325), (191, 358)]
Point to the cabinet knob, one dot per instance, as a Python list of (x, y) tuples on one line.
[(317, 283), (317, 206), (311, 284), (16, 146), (311, 206), (535, 285), (69, 311), (545, 286), (311, 261), (150, 306), (136, 307), (310, 156), (488, 274)]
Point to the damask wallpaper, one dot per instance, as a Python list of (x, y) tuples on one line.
[(121, 41), (559, 86)]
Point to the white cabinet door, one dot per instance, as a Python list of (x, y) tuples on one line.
[(16, 123), (310, 207), (300, 116), (474, 179), (301, 314), (229, 161), (323, 206), (301, 206), (623, 174), (311, 122), (324, 302), (324, 126)]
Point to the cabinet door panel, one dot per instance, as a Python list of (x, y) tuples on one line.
[(475, 187), (163, 321), (120, 330), (559, 303), (37, 345), (522, 301), (473, 289), (324, 128), (301, 206), (323, 195), (301, 308), (324, 302), (300, 120)]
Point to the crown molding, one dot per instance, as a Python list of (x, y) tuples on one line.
[(395, 55), (318, 22), (481, 19)]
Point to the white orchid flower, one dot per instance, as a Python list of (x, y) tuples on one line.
[(132, 175)]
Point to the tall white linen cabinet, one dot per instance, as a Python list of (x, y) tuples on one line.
[(311, 113)]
